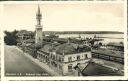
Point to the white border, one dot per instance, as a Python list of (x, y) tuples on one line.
[(2, 43), (125, 40), (68, 77)]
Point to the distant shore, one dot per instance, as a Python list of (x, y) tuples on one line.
[(110, 38), (83, 32)]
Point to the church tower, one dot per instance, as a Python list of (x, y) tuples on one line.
[(39, 36)]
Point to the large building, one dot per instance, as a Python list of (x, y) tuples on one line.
[(64, 57)]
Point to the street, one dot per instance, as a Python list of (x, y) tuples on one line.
[(16, 63)]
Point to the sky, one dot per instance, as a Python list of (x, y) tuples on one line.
[(65, 16)]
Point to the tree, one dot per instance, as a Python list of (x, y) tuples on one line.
[(10, 37)]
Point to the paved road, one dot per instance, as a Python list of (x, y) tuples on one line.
[(18, 64)]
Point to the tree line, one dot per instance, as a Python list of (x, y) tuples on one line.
[(10, 38)]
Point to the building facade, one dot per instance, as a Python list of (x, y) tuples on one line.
[(64, 57)]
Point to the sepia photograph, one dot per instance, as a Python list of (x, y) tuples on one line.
[(0, 39), (65, 39)]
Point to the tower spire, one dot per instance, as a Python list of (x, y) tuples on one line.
[(38, 16), (38, 9)]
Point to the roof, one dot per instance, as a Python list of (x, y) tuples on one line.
[(24, 32), (116, 44), (66, 49), (32, 46), (46, 48), (93, 69), (61, 40), (71, 48), (30, 40), (109, 52)]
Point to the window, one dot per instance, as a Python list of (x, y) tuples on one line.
[(70, 68), (56, 57), (60, 59), (69, 59), (78, 57), (86, 56), (60, 67), (55, 64), (53, 57)]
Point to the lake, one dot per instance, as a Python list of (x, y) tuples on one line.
[(107, 37)]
